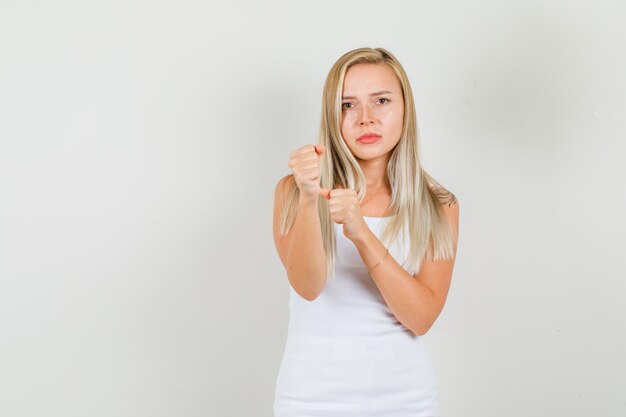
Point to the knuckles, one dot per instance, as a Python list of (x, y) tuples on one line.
[(336, 192)]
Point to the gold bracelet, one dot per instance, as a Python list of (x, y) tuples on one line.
[(369, 270)]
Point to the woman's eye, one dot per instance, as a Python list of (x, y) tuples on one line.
[(345, 104), (386, 100)]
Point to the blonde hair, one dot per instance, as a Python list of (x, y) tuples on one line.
[(416, 198)]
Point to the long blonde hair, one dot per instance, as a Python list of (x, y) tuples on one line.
[(416, 198)]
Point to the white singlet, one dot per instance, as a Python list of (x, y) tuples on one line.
[(347, 355)]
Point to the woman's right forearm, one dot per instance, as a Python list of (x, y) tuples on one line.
[(306, 258)]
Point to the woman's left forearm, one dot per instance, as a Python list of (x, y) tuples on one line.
[(408, 299)]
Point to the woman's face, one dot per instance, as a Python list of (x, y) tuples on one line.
[(371, 103)]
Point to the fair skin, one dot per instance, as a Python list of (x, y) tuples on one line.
[(372, 102), (415, 300)]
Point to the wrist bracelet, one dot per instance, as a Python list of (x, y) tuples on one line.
[(369, 270)]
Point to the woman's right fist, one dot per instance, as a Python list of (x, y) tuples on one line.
[(305, 165)]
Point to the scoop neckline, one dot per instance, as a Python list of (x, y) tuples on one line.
[(371, 217)]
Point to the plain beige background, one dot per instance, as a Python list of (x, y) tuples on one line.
[(140, 143)]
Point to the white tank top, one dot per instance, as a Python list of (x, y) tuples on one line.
[(347, 354)]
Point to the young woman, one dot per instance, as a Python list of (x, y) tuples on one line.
[(368, 240)]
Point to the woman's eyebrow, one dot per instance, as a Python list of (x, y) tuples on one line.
[(371, 95)]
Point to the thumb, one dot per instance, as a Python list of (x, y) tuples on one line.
[(325, 192), (319, 148)]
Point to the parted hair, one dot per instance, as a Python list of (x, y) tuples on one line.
[(417, 199)]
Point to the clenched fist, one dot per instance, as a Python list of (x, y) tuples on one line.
[(305, 165), (344, 208), (343, 202)]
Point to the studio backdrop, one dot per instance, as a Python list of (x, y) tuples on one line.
[(140, 146)]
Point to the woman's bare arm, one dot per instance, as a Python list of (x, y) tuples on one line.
[(301, 250)]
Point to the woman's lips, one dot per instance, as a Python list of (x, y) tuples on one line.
[(369, 138)]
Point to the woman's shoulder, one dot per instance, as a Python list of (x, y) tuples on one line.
[(287, 179), (445, 197), (286, 182), (285, 186)]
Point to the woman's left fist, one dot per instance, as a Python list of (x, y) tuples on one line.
[(344, 208)]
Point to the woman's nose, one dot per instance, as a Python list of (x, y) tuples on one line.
[(366, 116)]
